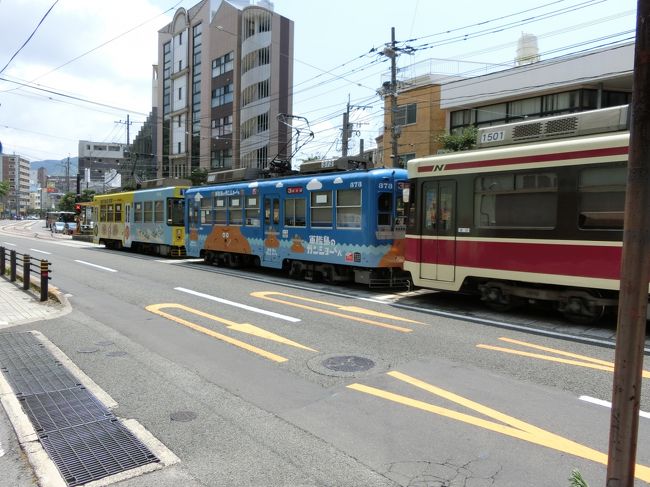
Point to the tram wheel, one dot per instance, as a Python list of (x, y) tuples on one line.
[(580, 312)]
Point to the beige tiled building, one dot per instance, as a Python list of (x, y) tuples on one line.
[(223, 79)]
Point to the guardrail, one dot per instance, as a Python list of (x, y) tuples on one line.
[(27, 264)]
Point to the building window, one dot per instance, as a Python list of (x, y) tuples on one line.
[(222, 126), (222, 95), (406, 114), (180, 93), (221, 159), (223, 64)]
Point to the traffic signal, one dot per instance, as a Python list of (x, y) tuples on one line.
[(77, 208)]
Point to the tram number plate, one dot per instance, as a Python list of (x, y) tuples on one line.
[(496, 136)]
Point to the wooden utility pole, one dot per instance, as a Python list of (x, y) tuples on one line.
[(393, 100), (635, 271)]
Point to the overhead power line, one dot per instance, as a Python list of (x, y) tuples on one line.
[(30, 36)]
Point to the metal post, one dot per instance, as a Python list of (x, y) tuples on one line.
[(635, 271), (26, 269), (45, 277), (3, 265), (12, 266)]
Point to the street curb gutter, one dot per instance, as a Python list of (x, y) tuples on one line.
[(44, 468)]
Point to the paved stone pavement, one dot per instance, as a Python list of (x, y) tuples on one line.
[(18, 306)]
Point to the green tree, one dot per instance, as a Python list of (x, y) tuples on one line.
[(199, 176), (67, 202), (466, 140), (4, 188)]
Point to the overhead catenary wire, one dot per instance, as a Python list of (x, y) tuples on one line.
[(327, 116), (30, 36)]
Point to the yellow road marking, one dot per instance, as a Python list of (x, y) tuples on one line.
[(583, 360), (267, 295), (513, 427), (241, 327)]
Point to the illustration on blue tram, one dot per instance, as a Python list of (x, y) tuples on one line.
[(338, 226)]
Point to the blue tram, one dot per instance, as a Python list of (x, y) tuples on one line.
[(338, 226)]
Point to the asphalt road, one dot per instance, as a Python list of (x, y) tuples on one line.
[(293, 383)]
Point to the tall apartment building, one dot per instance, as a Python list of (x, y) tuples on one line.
[(224, 74), (15, 169)]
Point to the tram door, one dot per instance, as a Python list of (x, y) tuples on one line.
[(271, 228), (438, 242)]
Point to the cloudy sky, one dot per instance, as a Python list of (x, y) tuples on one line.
[(89, 63)]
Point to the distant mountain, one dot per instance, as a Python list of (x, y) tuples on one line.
[(56, 168)]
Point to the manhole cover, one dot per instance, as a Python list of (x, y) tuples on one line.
[(116, 354), (348, 363), (183, 416)]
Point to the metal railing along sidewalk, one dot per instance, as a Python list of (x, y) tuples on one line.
[(26, 264)]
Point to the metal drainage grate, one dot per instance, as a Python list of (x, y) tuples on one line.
[(51, 411), (83, 438), (92, 451)]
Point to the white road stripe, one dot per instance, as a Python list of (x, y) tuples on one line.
[(9, 243), (41, 251), (608, 404), (95, 265), (239, 305)]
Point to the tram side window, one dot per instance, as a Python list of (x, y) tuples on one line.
[(601, 198), (102, 213), (294, 212), (206, 210), (321, 209), (158, 211), (220, 210), (384, 209), (236, 213), (516, 200), (252, 211), (175, 212), (148, 211), (348, 208), (110, 214), (118, 212), (137, 212)]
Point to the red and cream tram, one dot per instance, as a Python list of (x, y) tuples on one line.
[(520, 221)]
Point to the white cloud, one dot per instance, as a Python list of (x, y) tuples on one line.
[(254, 184), (279, 185), (314, 184), (338, 180)]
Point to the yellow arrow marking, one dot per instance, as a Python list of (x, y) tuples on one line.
[(582, 360), (266, 295), (513, 427), (241, 327)]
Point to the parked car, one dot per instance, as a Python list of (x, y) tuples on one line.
[(59, 227)]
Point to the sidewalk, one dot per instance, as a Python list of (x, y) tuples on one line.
[(19, 307)]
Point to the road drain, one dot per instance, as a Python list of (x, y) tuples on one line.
[(82, 437)]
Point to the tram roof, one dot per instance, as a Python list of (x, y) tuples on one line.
[(560, 152)]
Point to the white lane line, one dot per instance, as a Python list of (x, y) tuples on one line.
[(9, 243), (239, 305), (95, 265), (41, 251), (608, 404)]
